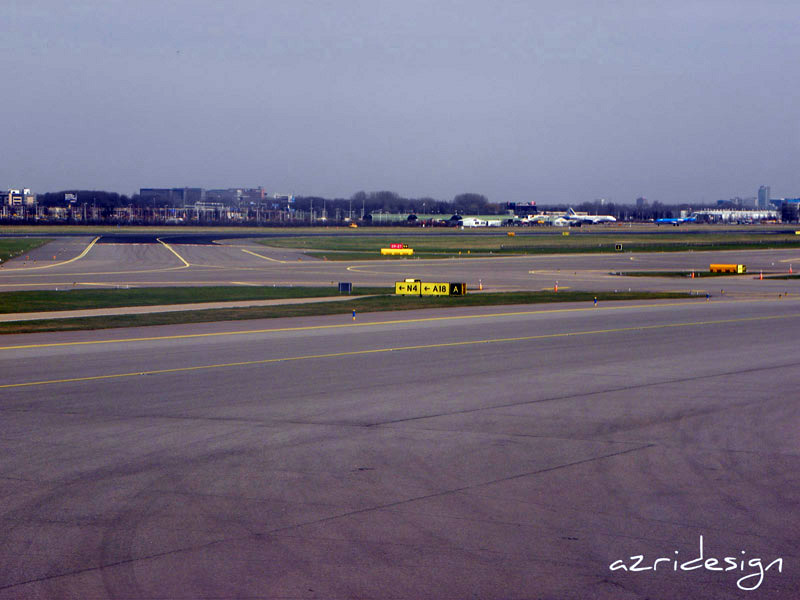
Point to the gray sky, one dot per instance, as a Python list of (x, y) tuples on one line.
[(550, 101)]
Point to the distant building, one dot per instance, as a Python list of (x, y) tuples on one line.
[(522, 209), (727, 215), (16, 197), (236, 196), (224, 196), (171, 196), (790, 210), (763, 197)]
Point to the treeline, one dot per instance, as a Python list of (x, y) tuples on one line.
[(98, 198), (390, 202), (640, 210), (368, 202), (365, 203)]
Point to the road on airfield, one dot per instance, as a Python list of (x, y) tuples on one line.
[(499, 452), (72, 263)]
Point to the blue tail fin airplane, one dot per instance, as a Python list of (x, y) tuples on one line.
[(676, 221)]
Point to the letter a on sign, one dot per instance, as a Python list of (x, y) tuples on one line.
[(456, 289)]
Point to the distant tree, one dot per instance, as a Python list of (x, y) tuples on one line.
[(97, 198), (358, 203), (659, 211), (428, 205), (386, 201), (471, 204)]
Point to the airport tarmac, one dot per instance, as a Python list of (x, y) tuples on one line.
[(497, 452), (69, 263)]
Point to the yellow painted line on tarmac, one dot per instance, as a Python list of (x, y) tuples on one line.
[(171, 249), (570, 272), (267, 361), (262, 256), (359, 325), (130, 284), (58, 264), (424, 262), (131, 272), (365, 271)]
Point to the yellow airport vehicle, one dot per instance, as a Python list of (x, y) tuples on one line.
[(726, 268)]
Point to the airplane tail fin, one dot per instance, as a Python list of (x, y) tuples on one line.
[(571, 212)]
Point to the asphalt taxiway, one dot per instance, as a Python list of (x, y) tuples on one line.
[(69, 263), (512, 452)]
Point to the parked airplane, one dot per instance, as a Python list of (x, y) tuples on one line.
[(561, 222), (589, 219), (676, 221)]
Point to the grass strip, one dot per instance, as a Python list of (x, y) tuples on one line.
[(81, 299), (349, 248), (11, 247), (362, 305)]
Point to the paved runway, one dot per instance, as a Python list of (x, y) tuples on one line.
[(514, 452), (69, 263)]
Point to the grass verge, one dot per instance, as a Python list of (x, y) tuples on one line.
[(11, 247), (49, 300), (481, 244), (362, 305)]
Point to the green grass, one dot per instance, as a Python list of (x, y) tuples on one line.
[(11, 247), (40, 301), (344, 308), (467, 244)]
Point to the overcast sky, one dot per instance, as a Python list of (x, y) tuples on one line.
[(549, 101)]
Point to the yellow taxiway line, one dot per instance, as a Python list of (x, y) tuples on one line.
[(264, 257), (267, 361), (171, 249), (58, 264), (360, 325)]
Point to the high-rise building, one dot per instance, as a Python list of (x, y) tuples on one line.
[(172, 196), (763, 196)]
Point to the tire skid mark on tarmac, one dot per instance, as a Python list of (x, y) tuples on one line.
[(624, 388), (343, 515)]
